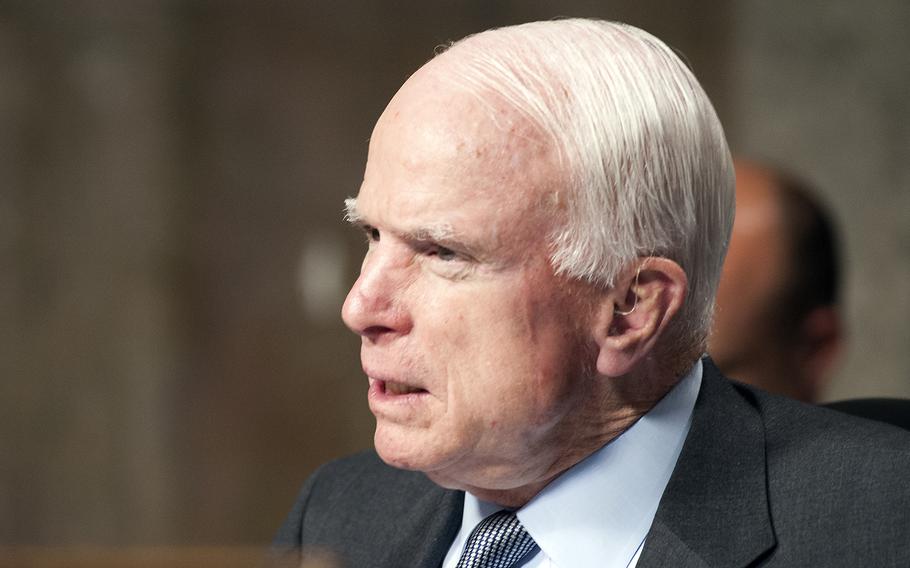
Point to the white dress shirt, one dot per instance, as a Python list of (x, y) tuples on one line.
[(598, 512)]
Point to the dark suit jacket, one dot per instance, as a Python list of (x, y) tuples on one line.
[(761, 481)]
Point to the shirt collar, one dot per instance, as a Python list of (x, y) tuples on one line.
[(599, 511)]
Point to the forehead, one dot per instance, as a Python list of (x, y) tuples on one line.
[(441, 154)]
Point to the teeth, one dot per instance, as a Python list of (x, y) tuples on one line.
[(399, 388)]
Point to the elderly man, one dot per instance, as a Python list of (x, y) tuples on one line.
[(546, 208)]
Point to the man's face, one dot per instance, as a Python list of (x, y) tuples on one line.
[(473, 348)]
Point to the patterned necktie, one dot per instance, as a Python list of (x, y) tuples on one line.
[(499, 541)]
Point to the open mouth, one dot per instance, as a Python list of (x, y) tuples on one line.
[(393, 388)]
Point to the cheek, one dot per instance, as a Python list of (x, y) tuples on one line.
[(513, 350), (478, 353)]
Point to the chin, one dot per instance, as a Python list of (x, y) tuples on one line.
[(401, 450), (404, 448)]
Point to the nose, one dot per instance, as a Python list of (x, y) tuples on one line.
[(374, 308)]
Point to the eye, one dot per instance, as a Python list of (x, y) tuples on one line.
[(443, 253), (371, 233), (453, 264), (440, 252)]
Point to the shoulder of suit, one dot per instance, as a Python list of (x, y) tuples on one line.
[(791, 423), (787, 419), (811, 448)]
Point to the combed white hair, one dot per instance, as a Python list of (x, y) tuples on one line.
[(650, 173)]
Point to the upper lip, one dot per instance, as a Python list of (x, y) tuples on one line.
[(385, 377)]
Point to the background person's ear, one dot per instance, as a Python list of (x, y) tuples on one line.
[(821, 340), (632, 317)]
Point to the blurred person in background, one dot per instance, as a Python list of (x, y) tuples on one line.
[(777, 324)]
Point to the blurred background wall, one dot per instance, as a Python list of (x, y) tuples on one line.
[(173, 257)]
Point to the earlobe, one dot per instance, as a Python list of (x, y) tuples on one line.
[(632, 317)]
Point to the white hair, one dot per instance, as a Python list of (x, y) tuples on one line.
[(649, 170)]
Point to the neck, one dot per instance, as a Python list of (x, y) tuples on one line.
[(616, 413)]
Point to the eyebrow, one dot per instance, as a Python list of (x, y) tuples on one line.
[(441, 233), (351, 215)]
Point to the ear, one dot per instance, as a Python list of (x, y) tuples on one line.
[(821, 336), (632, 316)]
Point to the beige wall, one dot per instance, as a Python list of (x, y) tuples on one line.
[(173, 254)]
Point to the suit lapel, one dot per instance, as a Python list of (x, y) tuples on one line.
[(715, 511)]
